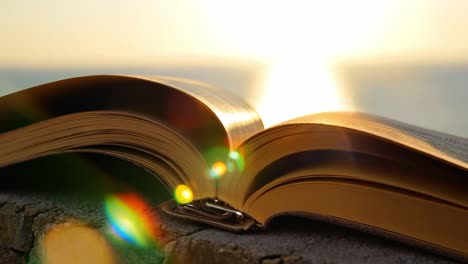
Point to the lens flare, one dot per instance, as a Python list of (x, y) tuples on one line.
[(183, 194), (234, 155), (132, 219), (235, 161), (222, 161), (216, 154), (76, 243), (218, 169)]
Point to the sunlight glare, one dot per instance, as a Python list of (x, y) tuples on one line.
[(299, 41), (293, 89)]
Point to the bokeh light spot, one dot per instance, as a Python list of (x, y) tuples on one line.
[(75, 243), (218, 169), (183, 194), (235, 162), (234, 155)]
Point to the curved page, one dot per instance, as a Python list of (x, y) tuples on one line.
[(405, 217), (452, 149), (342, 131), (191, 114)]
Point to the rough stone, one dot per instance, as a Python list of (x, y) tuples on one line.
[(25, 218), (10, 256)]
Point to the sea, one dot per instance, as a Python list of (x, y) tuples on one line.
[(434, 96)]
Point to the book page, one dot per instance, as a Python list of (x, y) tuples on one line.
[(422, 222), (238, 118), (192, 114), (188, 106), (452, 149), (341, 131)]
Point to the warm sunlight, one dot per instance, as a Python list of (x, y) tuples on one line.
[(300, 45), (118, 33), (295, 88)]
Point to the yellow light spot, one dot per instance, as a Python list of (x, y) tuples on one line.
[(219, 168), (186, 194), (183, 194)]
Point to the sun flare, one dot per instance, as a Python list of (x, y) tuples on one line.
[(299, 41), (293, 89)]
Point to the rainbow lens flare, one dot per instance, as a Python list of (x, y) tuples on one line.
[(183, 194), (131, 219)]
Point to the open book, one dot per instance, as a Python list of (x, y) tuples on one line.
[(366, 172)]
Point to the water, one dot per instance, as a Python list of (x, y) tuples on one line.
[(429, 95), (434, 96)]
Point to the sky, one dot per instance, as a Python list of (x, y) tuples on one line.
[(55, 32), (300, 42)]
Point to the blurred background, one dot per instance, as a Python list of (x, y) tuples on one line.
[(400, 59)]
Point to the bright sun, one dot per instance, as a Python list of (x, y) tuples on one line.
[(295, 88), (299, 41)]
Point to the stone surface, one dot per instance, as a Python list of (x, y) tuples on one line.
[(25, 218)]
